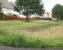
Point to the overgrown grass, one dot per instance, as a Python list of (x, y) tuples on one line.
[(9, 36), (15, 40)]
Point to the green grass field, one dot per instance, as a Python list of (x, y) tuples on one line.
[(42, 34)]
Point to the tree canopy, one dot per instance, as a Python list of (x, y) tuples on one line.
[(57, 11), (0, 7), (1, 13), (28, 7)]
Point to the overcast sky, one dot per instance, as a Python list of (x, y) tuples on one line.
[(49, 4)]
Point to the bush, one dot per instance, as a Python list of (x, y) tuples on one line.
[(1, 15)]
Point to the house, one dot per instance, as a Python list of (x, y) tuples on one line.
[(7, 6)]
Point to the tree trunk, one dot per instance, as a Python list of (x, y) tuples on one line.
[(27, 19)]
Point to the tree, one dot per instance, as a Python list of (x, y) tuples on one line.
[(0, 7), (57, 12), (1, 13), (29, 7)]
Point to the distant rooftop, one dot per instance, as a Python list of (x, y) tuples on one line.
[(6, 4)]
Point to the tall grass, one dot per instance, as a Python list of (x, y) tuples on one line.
[(19, 40), (16, 40)]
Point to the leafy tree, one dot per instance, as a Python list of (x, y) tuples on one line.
[(1, 13), (29, 7), (57, 12), (0, 7)]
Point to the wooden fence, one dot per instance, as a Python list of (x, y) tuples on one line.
[(15, 18)]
